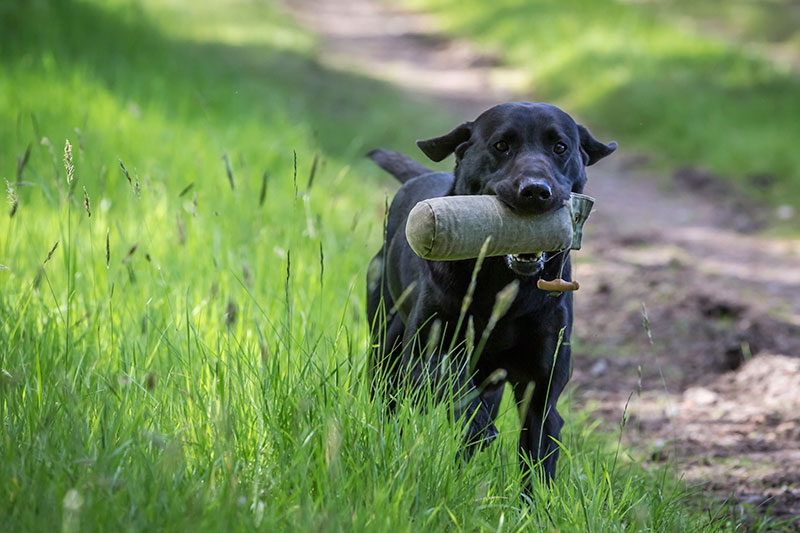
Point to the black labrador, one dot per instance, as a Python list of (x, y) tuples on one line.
[(531, 156)]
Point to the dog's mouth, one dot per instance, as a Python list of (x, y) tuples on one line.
[(526, 264)]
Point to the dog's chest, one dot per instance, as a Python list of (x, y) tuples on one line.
[(506, 334)]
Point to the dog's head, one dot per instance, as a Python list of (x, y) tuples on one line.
[(532, 156)]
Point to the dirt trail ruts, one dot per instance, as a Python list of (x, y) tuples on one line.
[(718, 362)]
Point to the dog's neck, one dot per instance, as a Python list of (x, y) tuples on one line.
[(452, 278)]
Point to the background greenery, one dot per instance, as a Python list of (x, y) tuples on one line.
[(190, 356), (713, 84)]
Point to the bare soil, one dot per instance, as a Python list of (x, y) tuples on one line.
[(688, 313)]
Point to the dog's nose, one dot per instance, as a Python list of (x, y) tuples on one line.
[(537, 190), (534, 195)]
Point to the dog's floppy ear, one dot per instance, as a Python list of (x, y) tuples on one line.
[(593, 150), (440, 147)]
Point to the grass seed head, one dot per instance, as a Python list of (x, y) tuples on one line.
[(469, 337), (150, 382), (125, 171), (231, 312), (294, 173), (646, 323), (247, 275), (50, 253), (12, 199), (130, 253), (186, 189), (70, 168), (263, 194), (86, 203), (21, 162), (503, 301), (228, 169), (434, 336), (313, 172)]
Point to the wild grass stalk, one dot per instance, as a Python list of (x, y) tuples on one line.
[(70, 171), (21, 162), (14, 202)]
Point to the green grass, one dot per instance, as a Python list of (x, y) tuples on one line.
[(639, 73), (211, 372)]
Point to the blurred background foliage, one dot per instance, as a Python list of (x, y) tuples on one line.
[(713, 84)]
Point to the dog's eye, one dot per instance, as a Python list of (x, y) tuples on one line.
[(560, 148), (501, 146)]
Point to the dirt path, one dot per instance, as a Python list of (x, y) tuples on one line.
[(718, 369)]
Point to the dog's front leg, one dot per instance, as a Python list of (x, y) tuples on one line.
[(541, 428), (537, 442), (427, 360)]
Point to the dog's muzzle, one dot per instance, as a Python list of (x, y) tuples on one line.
[(526, 264)]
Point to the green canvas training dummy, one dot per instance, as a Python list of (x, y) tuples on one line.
[(451, 228)]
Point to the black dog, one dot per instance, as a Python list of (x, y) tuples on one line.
[(531, 156)]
